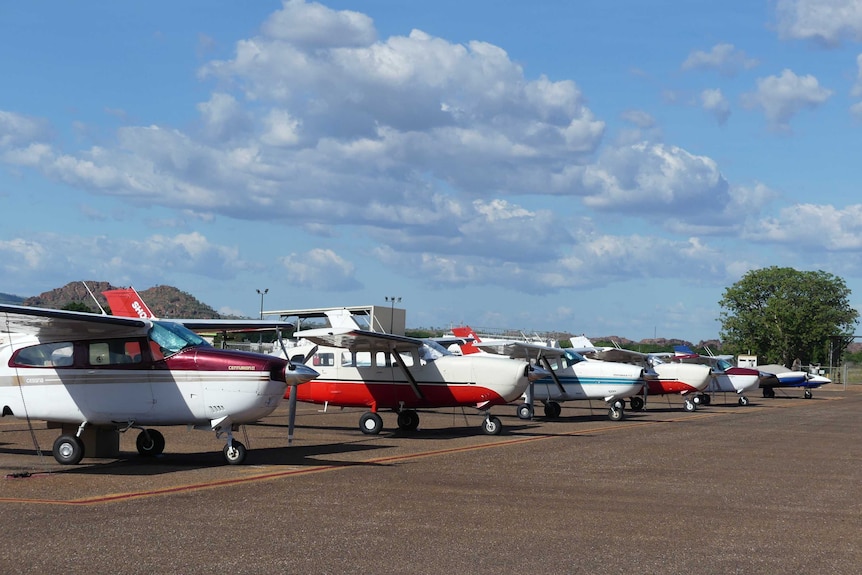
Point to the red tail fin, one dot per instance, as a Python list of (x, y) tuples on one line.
[(127, 303), (467, 332)]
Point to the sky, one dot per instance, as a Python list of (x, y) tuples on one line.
[(603, 167)]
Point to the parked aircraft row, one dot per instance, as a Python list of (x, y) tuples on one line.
[(96, 376)]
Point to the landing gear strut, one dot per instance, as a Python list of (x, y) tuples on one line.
[(491, 425)]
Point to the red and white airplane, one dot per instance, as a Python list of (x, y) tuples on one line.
[(363, 368), (725, 377), (570, 375), (662, 377), (95, 376)]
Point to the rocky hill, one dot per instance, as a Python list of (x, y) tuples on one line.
[(165, 301)]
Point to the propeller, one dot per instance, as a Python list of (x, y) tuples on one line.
[(291, 401)]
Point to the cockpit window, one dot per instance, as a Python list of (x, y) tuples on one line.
[(431, 350), (173, 337), (573, 357)]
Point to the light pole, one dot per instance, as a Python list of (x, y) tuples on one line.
[(260, 336), (392, 299), (262, 293)]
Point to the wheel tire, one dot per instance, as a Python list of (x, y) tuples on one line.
[(707, 399), (408, 420), (689, 405), (370, 423), (235, 453), (743, 400), (616, 414), (808, 394), (636, 403), (697, 399), (68, 449), (492, 426), (152, 446), (525, 411), (553, 409)]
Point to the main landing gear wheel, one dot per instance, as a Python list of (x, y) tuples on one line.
[(235, 452), (706, 399), (408, 420), (370, 423), (807, 394), (743, 400), (616, 414), (492, 426), (525, 411), (689, 405), (150, 443), (768, 392), (68, 449), (553, 409), (637, 403)]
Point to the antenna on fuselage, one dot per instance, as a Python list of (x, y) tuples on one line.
[(94, 298)]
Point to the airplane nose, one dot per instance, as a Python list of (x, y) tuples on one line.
[(535, 373), (297, 373)]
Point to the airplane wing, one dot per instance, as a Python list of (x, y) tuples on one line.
[(232, 325), (53, 324), (619, 355), (359, 339)]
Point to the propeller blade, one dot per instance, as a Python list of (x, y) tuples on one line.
[(310, 354), (291, 416)]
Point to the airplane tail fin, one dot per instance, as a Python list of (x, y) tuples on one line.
[(126, 302), (582, 344), (469, 336), (341, 318)]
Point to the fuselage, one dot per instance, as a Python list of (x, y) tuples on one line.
[(135, 380), (678, 378), (365, 379), (589, 380)]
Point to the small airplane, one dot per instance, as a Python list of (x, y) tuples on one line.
[(725, 377), (662, 377), (774, 376), (96, 376), (363, 368), (570, 375)]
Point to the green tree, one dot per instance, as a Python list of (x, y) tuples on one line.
[(782, 314), (77, 306)]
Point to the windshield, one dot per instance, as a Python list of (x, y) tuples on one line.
[(431, 350), (173, 337), (723, 364), (573, 357)]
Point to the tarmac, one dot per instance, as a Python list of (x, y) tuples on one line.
[(772, 487)]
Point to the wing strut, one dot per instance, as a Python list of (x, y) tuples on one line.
[(395, 359), (543, 359)]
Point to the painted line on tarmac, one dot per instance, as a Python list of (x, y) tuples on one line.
[(193, 487)]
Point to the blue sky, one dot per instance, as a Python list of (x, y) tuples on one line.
[(599, 167)]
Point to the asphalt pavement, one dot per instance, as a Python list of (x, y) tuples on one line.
[(772, 487)]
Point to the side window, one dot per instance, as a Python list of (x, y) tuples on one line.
[(323, 359), (44, 355), (114, 352), (406, 358)]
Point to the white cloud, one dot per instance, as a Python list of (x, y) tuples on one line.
[(648, 179), (782, 97), (724, 58), (52, 259), (320, 269), (714, 103), (813, 227), (828, 22), (856, 91)]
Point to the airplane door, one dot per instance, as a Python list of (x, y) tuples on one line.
[(111, 384)]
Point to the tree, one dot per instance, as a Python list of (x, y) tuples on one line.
[(782, 314)]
